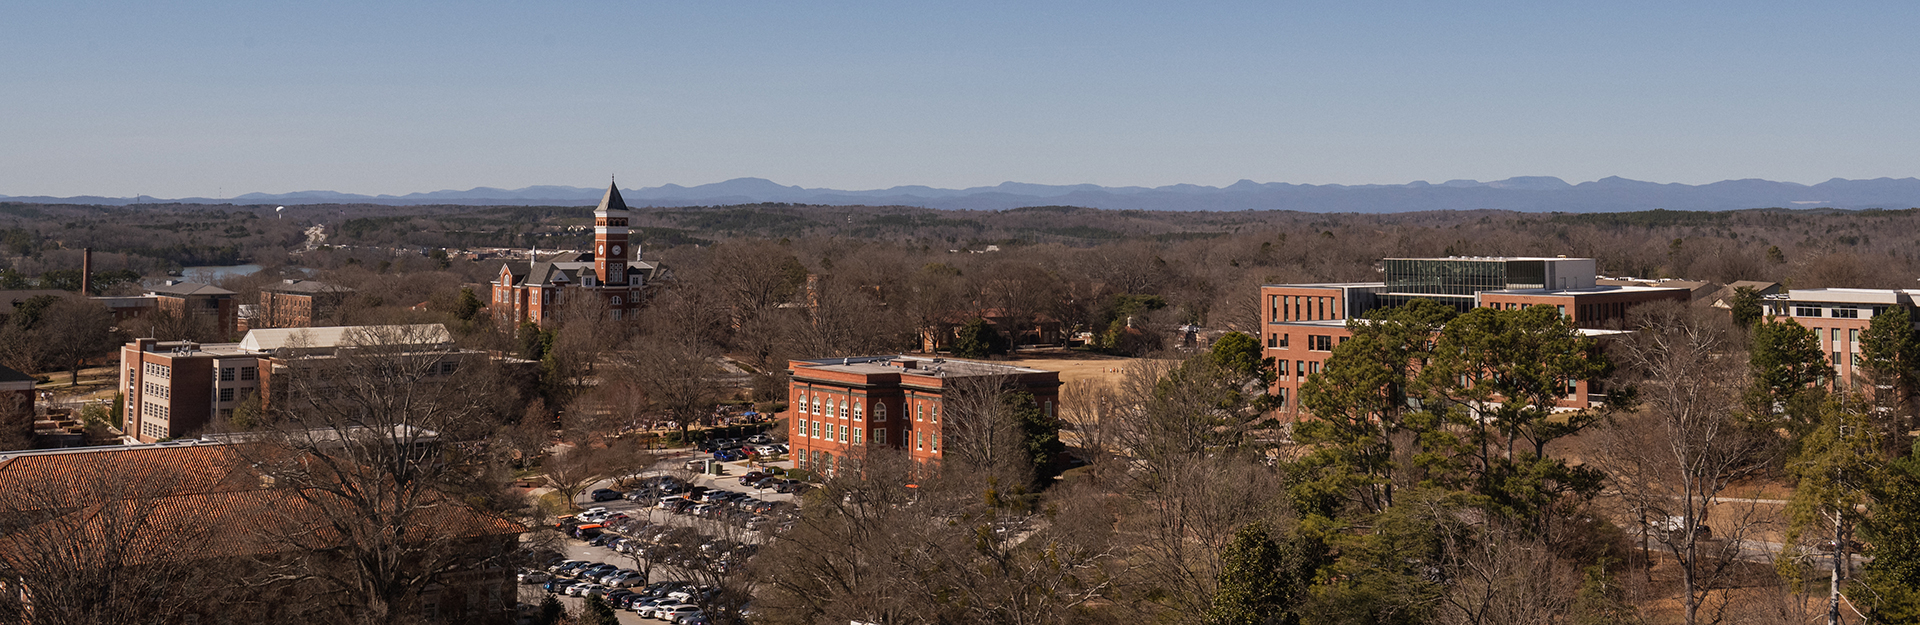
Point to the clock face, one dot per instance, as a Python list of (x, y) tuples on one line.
[(603, 249), (616, 250)]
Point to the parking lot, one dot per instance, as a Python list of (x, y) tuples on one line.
[(696, 540)]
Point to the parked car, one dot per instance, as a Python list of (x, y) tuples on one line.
[(790, 486), (751, 477), (759, 439), (534, 577), (675, 613), (670, 611), (604, 494)]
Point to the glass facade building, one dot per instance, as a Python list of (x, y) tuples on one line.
[(1455, 281)]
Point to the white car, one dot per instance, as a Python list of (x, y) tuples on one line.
[(594, 515), (534, 577), (677, 612), (659, 611)]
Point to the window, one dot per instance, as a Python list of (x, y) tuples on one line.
[(843, 408), (829, 407), (226, 394), (1273, 340), (801, 426), (1817, 336), (858, 412), (1836, 336), (879, 411), (1320, 342), (226, 374), (616, 300), (1283, 339), (856, 435), (816, 429), (1047, 407), (249, 373), (936, 442), (1853, 336), (1300, 368), (1281, 397), (1846, 312), (1806, 311), (919, 439), (843, 432), (880, 435), (919, 412), (816, 406), (1836, 359), (936, 413), (1562, 309), (447, 367), (1281, 368)]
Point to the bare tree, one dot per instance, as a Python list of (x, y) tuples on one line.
[(105, 545), (76, 330), (984, 432), (1089, 409), (677, 376), (1672, 461), (362, 436)]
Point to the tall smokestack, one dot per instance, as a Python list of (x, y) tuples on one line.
[(86, 271)]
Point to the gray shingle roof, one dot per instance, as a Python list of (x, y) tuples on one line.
[(183, 289), (612, 201), (306, 287)]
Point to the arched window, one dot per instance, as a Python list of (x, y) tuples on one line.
[(879, 411), (829, 406), (859, 411), (616, 300), (843, 407), (816, 405)]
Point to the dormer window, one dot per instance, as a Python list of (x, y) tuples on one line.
[(586, 280)]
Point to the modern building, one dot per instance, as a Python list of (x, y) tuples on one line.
[(1304, 322), (843, 407), (175, 388), (297, 304), (609, 276), (1838, 317)]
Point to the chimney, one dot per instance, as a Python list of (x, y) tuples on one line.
[(86, 271)]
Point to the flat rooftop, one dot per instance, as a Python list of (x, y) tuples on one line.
[(915, 365), (1489, 258), (1596, 290), (1334, 285)]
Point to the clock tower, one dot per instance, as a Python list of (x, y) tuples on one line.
[(610, 239)]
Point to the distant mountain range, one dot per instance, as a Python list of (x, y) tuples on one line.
[(1526, 193)]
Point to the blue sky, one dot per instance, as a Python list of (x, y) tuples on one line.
[(215, 99)]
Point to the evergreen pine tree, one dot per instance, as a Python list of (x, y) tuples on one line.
[(1252, 584), (598, 612)]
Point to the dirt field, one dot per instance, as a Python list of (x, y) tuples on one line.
[(1074, 366)]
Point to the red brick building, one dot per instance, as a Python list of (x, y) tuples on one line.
[(197, 523), (1302, 323), (298, 304), (187, 300), (1838, 317), (842, 407), (536, 291)]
